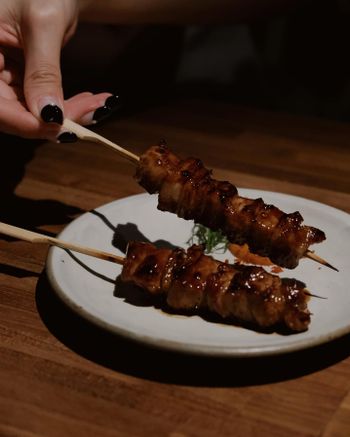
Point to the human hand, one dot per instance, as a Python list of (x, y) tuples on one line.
[(32, 33)]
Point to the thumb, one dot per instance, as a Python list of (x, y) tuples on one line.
[(42, 38)]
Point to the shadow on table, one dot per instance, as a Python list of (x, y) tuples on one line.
[(21, 211), (136, 359), (31, 214)]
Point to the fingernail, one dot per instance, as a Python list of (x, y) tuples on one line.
[(67, 137), (52, 114), (112, 103)]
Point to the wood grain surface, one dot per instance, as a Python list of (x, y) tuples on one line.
[(61, 376)]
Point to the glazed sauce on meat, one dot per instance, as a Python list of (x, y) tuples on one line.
[(191, 281), (148, 267), (186, 188)]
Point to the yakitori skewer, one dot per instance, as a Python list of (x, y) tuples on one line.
[(225, 189), (190, 280)]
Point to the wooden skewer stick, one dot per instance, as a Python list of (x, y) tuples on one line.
[(35, 237), (88, 135), (314, 257)]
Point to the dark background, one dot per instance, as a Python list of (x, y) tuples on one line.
[(297, 62)]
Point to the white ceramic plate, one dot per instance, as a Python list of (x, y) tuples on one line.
[(90, 288)]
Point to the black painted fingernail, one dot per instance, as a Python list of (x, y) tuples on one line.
[(112, 103), (101, 113), (52, 114), (67, 137)]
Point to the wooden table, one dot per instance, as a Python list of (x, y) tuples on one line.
[(61, 376)]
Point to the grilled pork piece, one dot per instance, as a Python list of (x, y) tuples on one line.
[(187, 189), (191, 280)]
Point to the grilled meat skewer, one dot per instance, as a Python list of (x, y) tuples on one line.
[(191, 280), (187, 189), (270, 232)]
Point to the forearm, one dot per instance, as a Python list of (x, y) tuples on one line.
[(180, 11)]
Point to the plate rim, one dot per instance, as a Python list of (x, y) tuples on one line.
[(190, 348)]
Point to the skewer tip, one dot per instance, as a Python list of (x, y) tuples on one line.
[(314, 257), (314, 295)]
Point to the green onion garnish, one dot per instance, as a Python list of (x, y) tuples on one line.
[(214, 241)]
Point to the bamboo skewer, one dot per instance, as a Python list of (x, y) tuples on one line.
[(87, 135), (36, 237), (311, 255)]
